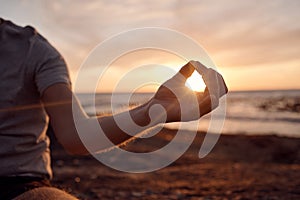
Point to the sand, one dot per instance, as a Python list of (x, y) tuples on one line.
[(239, 167)]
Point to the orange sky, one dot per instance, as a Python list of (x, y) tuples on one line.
[(255, 44)]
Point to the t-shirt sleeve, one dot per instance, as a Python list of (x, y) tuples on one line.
[(50, 67)]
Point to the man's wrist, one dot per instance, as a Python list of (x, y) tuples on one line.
[(149, 114)]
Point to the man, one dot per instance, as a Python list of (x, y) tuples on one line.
[(35, 88)]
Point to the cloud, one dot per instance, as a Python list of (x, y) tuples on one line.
[(243, 33), (236, 34)]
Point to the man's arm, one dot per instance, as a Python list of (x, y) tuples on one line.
[(58, 98), (58, 103)]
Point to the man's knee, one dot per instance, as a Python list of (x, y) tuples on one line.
[(45, 193)]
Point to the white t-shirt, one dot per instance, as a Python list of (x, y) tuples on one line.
[(28, 66)]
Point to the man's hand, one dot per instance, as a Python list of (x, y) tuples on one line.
[(183, 104)]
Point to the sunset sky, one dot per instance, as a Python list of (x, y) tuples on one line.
[(255, 44)]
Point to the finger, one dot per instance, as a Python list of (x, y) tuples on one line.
[(187, 70), (223, 85), (201, 69), (215, 83), (219, 84), (199, 94), (206, 91), (208, 104), (211, 80)]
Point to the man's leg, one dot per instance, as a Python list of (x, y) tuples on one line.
[(45, 193)]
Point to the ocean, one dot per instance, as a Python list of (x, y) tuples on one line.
[(249, 112)]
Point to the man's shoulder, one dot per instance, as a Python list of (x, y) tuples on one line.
[(31, 46), (9, 30)]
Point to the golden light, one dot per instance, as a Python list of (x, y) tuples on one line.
[(195, 82)]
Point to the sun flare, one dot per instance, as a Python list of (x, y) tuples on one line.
[(195, 82)]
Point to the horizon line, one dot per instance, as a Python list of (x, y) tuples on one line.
[(230, 91)]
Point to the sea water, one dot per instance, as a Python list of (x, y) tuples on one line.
[(249, 112)]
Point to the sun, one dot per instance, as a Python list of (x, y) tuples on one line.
[(195, 82)]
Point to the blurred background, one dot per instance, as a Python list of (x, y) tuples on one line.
[(255, 45)]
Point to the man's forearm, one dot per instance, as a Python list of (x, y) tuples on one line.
[(115, 133), (104, 132)]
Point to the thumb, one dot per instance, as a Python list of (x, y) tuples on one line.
[(180, 77), (187, 70)]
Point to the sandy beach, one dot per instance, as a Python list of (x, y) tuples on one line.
[(239, 167)]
